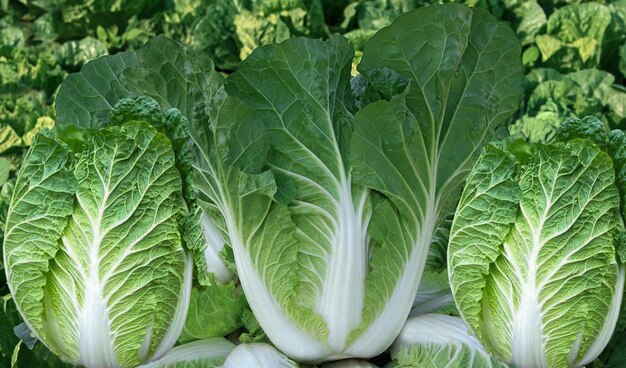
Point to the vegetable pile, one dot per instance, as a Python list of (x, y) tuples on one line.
[(197, 183)]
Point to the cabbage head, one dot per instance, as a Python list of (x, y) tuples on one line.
[(534, 249), (93, 254)]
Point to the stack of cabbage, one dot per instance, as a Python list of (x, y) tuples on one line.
[(327, 198)]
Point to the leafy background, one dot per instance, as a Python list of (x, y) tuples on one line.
[(574, 53)]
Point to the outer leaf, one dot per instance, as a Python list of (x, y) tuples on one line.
[(258, 355), (163, 69), (207, 353), (214, 311), (42, 202), (417, 156), (536, 282), (241, 205), (453, 105), (117, 282), (309, 126), (451, 346), (490, 185), (166, 85), (86, 98)]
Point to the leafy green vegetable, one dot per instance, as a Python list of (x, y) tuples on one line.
[(171, 74), (532, 259), (86, 100), (450, 347), (430, 90), (92, 250), (343, 185)]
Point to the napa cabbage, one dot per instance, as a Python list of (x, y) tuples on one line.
[(330, 197), (92, 249), (324, 189), (535, 249)]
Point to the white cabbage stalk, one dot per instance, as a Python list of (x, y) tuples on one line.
[(433, 294), (93, 255), (206, 242), (215, 244)]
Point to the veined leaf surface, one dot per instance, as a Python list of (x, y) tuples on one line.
[(358, 196), (92, 249), (532, 258)]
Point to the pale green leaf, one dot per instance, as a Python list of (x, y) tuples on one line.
[(41, 205), (103, 280), (536, 282), (214, 311), (258, 355), (207, 353), (438, 341)]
